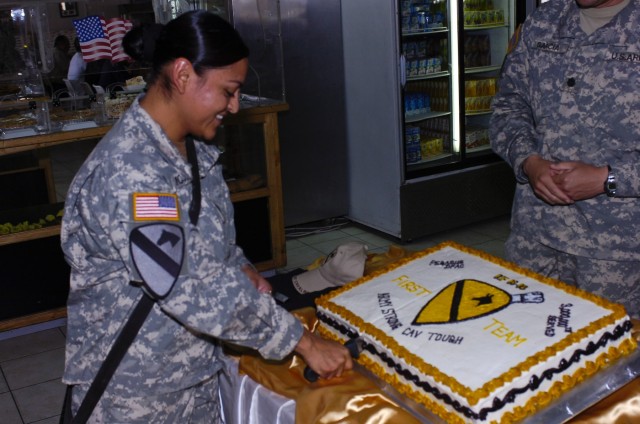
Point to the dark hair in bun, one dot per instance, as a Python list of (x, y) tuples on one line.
[(205, 39), (140, 42)]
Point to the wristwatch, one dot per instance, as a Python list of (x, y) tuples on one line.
[(610, 183)]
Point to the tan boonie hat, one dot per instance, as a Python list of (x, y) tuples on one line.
[(344, 264)]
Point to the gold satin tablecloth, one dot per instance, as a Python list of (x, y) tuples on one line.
[(351, 398), (356, 399)]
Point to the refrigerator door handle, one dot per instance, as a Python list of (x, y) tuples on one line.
[(403, 70)]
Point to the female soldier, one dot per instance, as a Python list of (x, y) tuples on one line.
[(153, 167)]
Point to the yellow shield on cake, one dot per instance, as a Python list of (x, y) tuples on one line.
[(463, 300)]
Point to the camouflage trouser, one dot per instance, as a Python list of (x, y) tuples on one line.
[(618, 281), (198, 404)]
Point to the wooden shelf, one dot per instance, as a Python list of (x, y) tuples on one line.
[(50, 315), (24, 144), (241, 196), (27, 235)]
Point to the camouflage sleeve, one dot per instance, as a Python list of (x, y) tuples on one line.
[(225, 305), (237, 257), (627, 175), (88, 236), (512, 130)]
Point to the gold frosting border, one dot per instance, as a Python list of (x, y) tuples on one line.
[(559, 387), (473, 396), (518, 413)]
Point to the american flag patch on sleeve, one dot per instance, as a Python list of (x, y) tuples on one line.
[(155, 207)]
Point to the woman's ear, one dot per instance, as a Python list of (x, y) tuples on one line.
[(181, 74)]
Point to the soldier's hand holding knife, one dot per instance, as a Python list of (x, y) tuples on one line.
[(326, 358)]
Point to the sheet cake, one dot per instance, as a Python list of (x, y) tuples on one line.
[(474, 338)]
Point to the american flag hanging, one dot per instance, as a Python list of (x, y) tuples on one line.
[(100, 39), (116, 29)]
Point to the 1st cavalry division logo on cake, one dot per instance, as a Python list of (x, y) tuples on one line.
[(470, 299)]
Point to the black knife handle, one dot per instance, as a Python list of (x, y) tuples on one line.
[(352, 347), (310, 374)]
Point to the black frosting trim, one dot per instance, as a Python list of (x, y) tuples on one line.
[(497, 404)]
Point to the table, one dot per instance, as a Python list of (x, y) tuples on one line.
[(259, 391), (246, 401)]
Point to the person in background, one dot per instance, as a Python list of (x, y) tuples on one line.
[(111, 73), (170, 372), (104, 73), (567, 119), (77, 67), (61, 61), (92, 72)]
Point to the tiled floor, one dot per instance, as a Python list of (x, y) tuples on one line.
[(31, 364)]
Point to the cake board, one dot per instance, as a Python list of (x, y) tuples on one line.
[(584, 395)]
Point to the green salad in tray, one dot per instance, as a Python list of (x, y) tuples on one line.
[(33, 222)]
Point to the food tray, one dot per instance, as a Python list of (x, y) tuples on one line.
[(80, 125), (134, 88), (17, 133), (14, 122)]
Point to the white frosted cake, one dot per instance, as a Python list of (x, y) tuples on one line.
[(474, 338)]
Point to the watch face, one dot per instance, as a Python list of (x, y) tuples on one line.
[(610, 185)]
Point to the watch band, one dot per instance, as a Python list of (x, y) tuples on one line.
[(610, 183)]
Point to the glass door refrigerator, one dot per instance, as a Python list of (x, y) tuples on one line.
[(419, 78)]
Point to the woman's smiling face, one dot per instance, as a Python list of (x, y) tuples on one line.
[(212, 96)]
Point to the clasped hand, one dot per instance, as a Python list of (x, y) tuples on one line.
[(563, 183)]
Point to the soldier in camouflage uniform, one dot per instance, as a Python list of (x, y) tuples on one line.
[(169, 373), (567, 119)]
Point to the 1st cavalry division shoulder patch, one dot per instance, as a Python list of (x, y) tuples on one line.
[(155, 207)]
